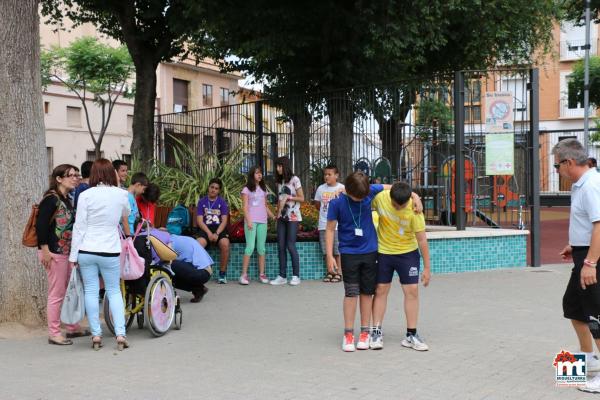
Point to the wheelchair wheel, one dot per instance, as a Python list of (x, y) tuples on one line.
[(178, 314), (159, 306), (129, 305)]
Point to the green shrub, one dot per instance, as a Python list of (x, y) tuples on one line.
[(187, 181)]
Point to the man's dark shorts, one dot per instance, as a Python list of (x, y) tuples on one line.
[(580, 304), (213, 229), (407, 266), (359, 272)]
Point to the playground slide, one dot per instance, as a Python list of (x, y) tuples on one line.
[(482, 216)]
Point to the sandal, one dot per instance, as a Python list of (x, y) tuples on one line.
[(336, 278), (328, 278), (96, 342), (63, 342), (73, 335), (122, 343)]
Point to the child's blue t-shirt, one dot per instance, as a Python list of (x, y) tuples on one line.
[(134, 212), (351, 215)]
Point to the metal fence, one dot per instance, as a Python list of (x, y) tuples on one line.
[(402, 130)]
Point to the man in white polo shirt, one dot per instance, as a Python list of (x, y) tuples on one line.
[(581, 301)]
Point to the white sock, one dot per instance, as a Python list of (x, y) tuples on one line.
[(589, 356)]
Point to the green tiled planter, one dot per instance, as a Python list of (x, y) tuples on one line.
[(451, 252)]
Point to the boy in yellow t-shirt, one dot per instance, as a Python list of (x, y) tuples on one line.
[(401, 235)]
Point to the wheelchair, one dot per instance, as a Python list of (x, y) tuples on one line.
[(159, 307)]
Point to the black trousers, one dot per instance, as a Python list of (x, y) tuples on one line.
[(187, 277)]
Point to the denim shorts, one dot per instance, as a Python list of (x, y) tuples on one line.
[(336, 244)]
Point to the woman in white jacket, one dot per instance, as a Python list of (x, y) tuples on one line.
[(96, 247)]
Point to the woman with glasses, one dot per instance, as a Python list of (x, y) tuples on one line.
[(54, 228)]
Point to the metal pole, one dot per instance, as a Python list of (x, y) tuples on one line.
[(258, 123), (586, 81), (459, 143), (534, 167)]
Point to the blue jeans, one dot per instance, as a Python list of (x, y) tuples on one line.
[(110, 269), (286, 240)]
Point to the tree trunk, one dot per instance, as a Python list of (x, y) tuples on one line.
[(301, 119), (142, 146), (22, 152), (341, 134), (390, 133), (97, 150), (391, 142)]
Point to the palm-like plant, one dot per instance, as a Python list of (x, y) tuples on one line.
[(187, 180)]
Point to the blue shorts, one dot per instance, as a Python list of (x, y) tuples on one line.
[(407, 266)]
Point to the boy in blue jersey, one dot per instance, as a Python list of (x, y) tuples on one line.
[(351, 212), (139, 182)]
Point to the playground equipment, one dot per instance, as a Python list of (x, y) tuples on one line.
[(379, 170)]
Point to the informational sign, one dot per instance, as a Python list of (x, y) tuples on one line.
[(500, 154), (499, 112)]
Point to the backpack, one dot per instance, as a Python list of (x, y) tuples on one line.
[(178, 220), (29, 234)]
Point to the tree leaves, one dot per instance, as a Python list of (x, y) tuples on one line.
[(576, 83), (91, 65)]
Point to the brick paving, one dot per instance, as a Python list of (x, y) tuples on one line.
[(493, 335)]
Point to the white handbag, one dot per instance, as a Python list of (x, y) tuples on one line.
[(73, 307)]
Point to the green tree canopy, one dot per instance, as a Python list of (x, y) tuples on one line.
[(574, 10), (296, 48), (88, 67)]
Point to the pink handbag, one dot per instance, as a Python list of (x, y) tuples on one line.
[(132, 265)]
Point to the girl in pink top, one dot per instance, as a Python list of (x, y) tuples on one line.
[(254, 198)]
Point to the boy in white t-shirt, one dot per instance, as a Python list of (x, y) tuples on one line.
[(327, 191)]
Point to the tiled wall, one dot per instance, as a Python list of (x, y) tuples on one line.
[(477, 253), (312, 265), (447, 256)]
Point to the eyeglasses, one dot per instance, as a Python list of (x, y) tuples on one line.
[(557, 165)]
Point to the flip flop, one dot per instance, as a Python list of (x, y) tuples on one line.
[(336, 278), (64, 342), (328, 277)]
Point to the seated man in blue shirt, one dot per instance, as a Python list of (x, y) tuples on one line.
[(193, 266)]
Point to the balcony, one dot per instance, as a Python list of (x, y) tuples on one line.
[(575, 49), (573, 113)]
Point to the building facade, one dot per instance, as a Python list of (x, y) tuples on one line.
[(181, 85)]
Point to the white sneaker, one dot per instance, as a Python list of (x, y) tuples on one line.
[(244, 280), (348, 342), (278, 281), (363, 341), (263, 278), (592, 364), (592, 386), (376, 340), (295, 281), (415, 342)]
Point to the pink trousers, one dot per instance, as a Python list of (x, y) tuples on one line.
[(58, 279)]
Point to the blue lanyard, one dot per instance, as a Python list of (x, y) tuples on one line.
[(357, 225)]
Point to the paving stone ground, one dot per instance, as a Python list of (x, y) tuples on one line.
[(493, 335)]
